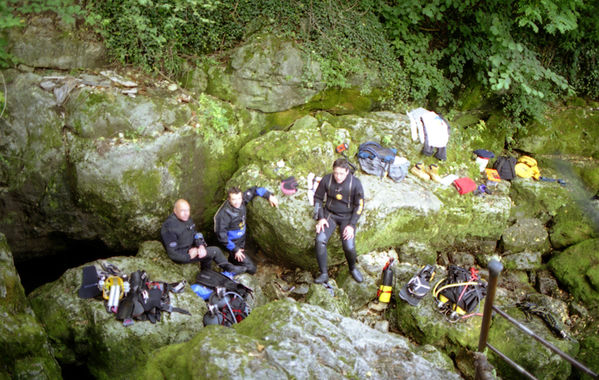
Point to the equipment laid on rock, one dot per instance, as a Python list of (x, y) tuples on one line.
[(225, 308), (227, 302), (148, 299), (418, 286), (526, 167), (482, 158), (505, 166), (529, 308), (132, 297), (386, 287), (464, 185), (377, 160), (89, 283), (460, 293), (418, 171), (289, 186), (113, 290)]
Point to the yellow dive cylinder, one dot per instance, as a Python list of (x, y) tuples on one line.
[(386, 288)]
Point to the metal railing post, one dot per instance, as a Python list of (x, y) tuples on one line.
[(495, 267)]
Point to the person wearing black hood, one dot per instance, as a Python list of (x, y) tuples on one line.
[(184, 244), (338, 201), (229, 223)]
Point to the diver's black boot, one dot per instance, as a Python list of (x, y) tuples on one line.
[(355, 273), (350, 256), (237, 269), (321, 258), (324, 277)]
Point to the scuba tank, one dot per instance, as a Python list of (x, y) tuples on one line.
[(213, 316), (386, 288)]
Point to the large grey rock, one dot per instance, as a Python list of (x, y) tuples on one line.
[(35, 175), (25, 352), (299, 341), (41, 43), (266, 74), (394, 213), (271, 74), (108, 166)]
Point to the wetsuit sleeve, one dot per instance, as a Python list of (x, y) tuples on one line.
[(221, 222), (171, 244), (319, 196), (250, 193), (358, 202)]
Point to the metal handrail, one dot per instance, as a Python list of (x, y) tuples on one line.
[(495, 267)]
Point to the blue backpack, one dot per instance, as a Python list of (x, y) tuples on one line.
[(379, 161)]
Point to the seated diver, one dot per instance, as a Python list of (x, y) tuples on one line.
[(184, 244)]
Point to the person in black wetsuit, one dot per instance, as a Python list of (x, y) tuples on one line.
[(338, 201), (229, 223), (184, 244)]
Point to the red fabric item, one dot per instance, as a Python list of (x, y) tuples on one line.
[(464, 185)]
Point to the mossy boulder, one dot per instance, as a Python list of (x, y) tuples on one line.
[(567, 131), (576, 268), (82, 332), (47, 42), (330, 298), (525, 234), (271, 74), (394, 214), (25, 351), (116, 163), (299, 341), (589, 346), (104, 113), (538, 199), (572, 225), (266, 73)]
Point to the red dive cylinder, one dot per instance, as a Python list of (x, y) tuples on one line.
[(384, 292)]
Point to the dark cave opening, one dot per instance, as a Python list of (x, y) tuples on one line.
[(41, 269)]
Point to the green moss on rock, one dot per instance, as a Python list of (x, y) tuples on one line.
[(575, 268), (566, 131), (527, 352), (571, 226)]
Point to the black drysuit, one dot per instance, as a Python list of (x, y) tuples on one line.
[(230, 226), (179, 236), (341, 204)]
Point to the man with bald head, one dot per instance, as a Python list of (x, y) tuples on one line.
[(184, 244)]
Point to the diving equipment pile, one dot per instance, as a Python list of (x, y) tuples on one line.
[(460, 293), (418, 286), (130, 298)]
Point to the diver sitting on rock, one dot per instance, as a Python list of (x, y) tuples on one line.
[(229, 223), (339, 201), (185, 245)]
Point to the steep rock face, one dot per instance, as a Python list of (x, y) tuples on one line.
[(269, 74), (90, 162), (47, 43), (34, 171), (300, 341), (25, 352)]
